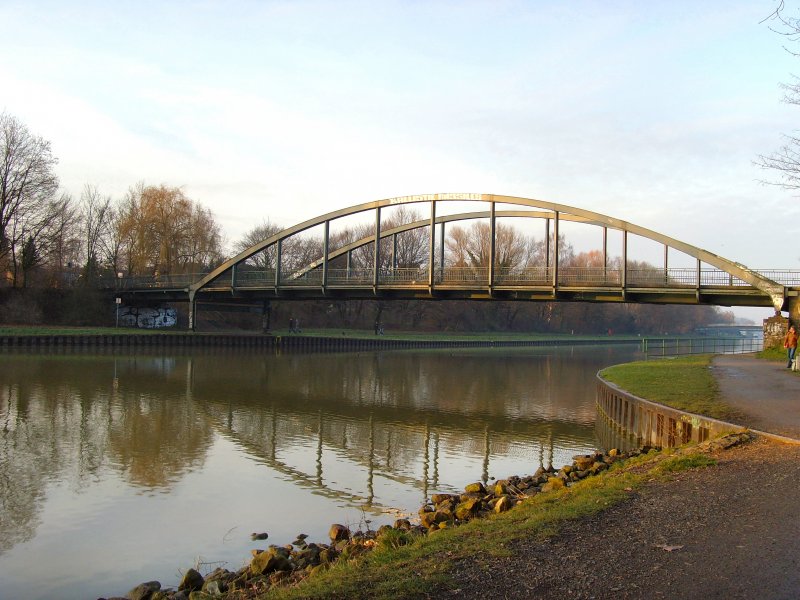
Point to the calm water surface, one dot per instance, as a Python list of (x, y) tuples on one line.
[(122, 468)]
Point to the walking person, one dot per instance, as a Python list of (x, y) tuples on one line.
[(790, 343)]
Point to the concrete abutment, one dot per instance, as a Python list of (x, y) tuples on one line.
[(644, 423)]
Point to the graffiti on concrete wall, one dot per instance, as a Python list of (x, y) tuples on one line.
[(774, 330), (147, 318)]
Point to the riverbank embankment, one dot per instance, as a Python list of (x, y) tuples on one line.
[(699, 397), (299, 342)]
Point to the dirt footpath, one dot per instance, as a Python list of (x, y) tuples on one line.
[(724, 532), (767, 393)]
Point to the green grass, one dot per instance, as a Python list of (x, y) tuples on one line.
[(684, 383), (421, 564), (676, 464), (773, 354)]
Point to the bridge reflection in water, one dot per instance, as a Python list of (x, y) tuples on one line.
[(393, 418)]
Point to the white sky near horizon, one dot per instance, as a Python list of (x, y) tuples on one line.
[(648, 112)]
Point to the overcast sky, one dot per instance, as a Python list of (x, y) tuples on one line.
[(649, 112)]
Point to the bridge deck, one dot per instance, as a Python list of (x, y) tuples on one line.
[(664, 286)]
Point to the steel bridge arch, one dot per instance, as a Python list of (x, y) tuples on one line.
[(555, 211)]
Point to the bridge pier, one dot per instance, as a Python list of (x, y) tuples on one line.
[(793, 308), (775, 327), (192, 312), (266, 313)]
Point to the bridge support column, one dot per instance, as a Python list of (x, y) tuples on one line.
[(793, 307), (266, 313), (192, 312), (775, 327)]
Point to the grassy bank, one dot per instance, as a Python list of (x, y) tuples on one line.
[(684, 383), (773, 354), (406, 567)]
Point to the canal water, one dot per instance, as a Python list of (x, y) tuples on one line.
[(121, 468)]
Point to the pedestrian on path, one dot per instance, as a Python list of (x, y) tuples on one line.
[(790, 343)]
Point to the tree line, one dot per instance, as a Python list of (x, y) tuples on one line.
[(48, 239)]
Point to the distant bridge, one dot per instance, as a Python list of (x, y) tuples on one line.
[(731, 329), (332, 273)]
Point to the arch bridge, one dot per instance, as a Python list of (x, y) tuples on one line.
[(370, 266)]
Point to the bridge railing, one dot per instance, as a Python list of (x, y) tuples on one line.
[(470, 276), (788, 277), (654, 347), (166, 281), (683, 277), (589, 277), (457, 276)]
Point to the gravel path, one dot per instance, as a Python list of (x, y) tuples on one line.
[(729, 531), (767, 393)]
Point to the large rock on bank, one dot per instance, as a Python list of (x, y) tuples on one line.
[(144, 591)]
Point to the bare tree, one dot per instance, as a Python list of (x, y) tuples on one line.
[(412, 246), (408, 249), (28, 185), (470, 247), (266, 258), (110, 243), (60, 240), (96, 219), (50, 228), (786, 160)]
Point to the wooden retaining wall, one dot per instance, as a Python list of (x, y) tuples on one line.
[(645, 423)]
